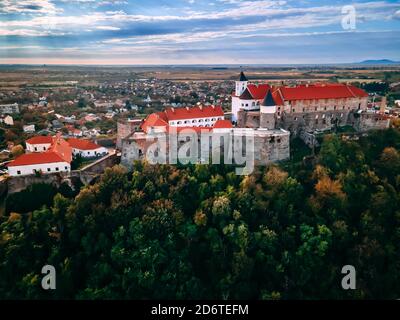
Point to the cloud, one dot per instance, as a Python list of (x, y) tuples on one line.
[(28, 7), (108, 28), (239, 25)]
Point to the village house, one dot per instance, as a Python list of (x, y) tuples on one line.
[(56, 158), (46, 154), (39, 143), (86, 148)]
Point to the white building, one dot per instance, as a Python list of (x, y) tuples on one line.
[(39, 143), (9, 108), (33, 163), (8, 120), (29, 128), (199, 116), (86, 148)]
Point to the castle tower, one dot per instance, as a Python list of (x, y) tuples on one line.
[(241, 85), (267, 112)]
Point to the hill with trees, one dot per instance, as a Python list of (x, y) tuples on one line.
[(191, 232)]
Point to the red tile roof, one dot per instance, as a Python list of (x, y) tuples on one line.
[(82, 144), (303, 92), (40, 140), (193, 112), (36, 158), (258, 92), (154, 120), (319, 91), (277, 98), (222, 124), (61, 147)]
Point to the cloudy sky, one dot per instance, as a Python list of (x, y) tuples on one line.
[(196, 31)]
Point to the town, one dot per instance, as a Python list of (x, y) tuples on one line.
[(58, 126)]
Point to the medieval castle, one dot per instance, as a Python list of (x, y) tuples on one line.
[(271, 113)]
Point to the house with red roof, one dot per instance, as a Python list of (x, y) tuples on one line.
[(196, 118), (52, 154), (86, 148), (38, 162), (38, 143)]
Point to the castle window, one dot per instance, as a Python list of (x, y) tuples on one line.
[(35, 149), (48, 169), (278, 140), (316, 121), (343, 107), (186, 121), (295, 118), (242, 104), (323, 116), (293, 110), (334, 108), (207, 120), (316, 117), (213, 119), (247, 104), (172, 122), (179, 122), (18, 172), (272, 140), (325, 108), (304, 109), (316, 108), (57, 169), (194, 121)]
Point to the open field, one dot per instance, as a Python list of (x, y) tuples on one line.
[(68, 76)]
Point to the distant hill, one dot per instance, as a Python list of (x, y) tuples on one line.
[(382, 61)]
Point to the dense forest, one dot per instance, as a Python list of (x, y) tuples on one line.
[(192, 232)]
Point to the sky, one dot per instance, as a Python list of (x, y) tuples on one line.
[(164, 32)]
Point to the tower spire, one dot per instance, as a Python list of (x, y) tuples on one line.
[(242, 77), (269, 100)]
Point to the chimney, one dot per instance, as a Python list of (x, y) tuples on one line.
[(187, 108), (201, 107), (173, 110), (212, 106)]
